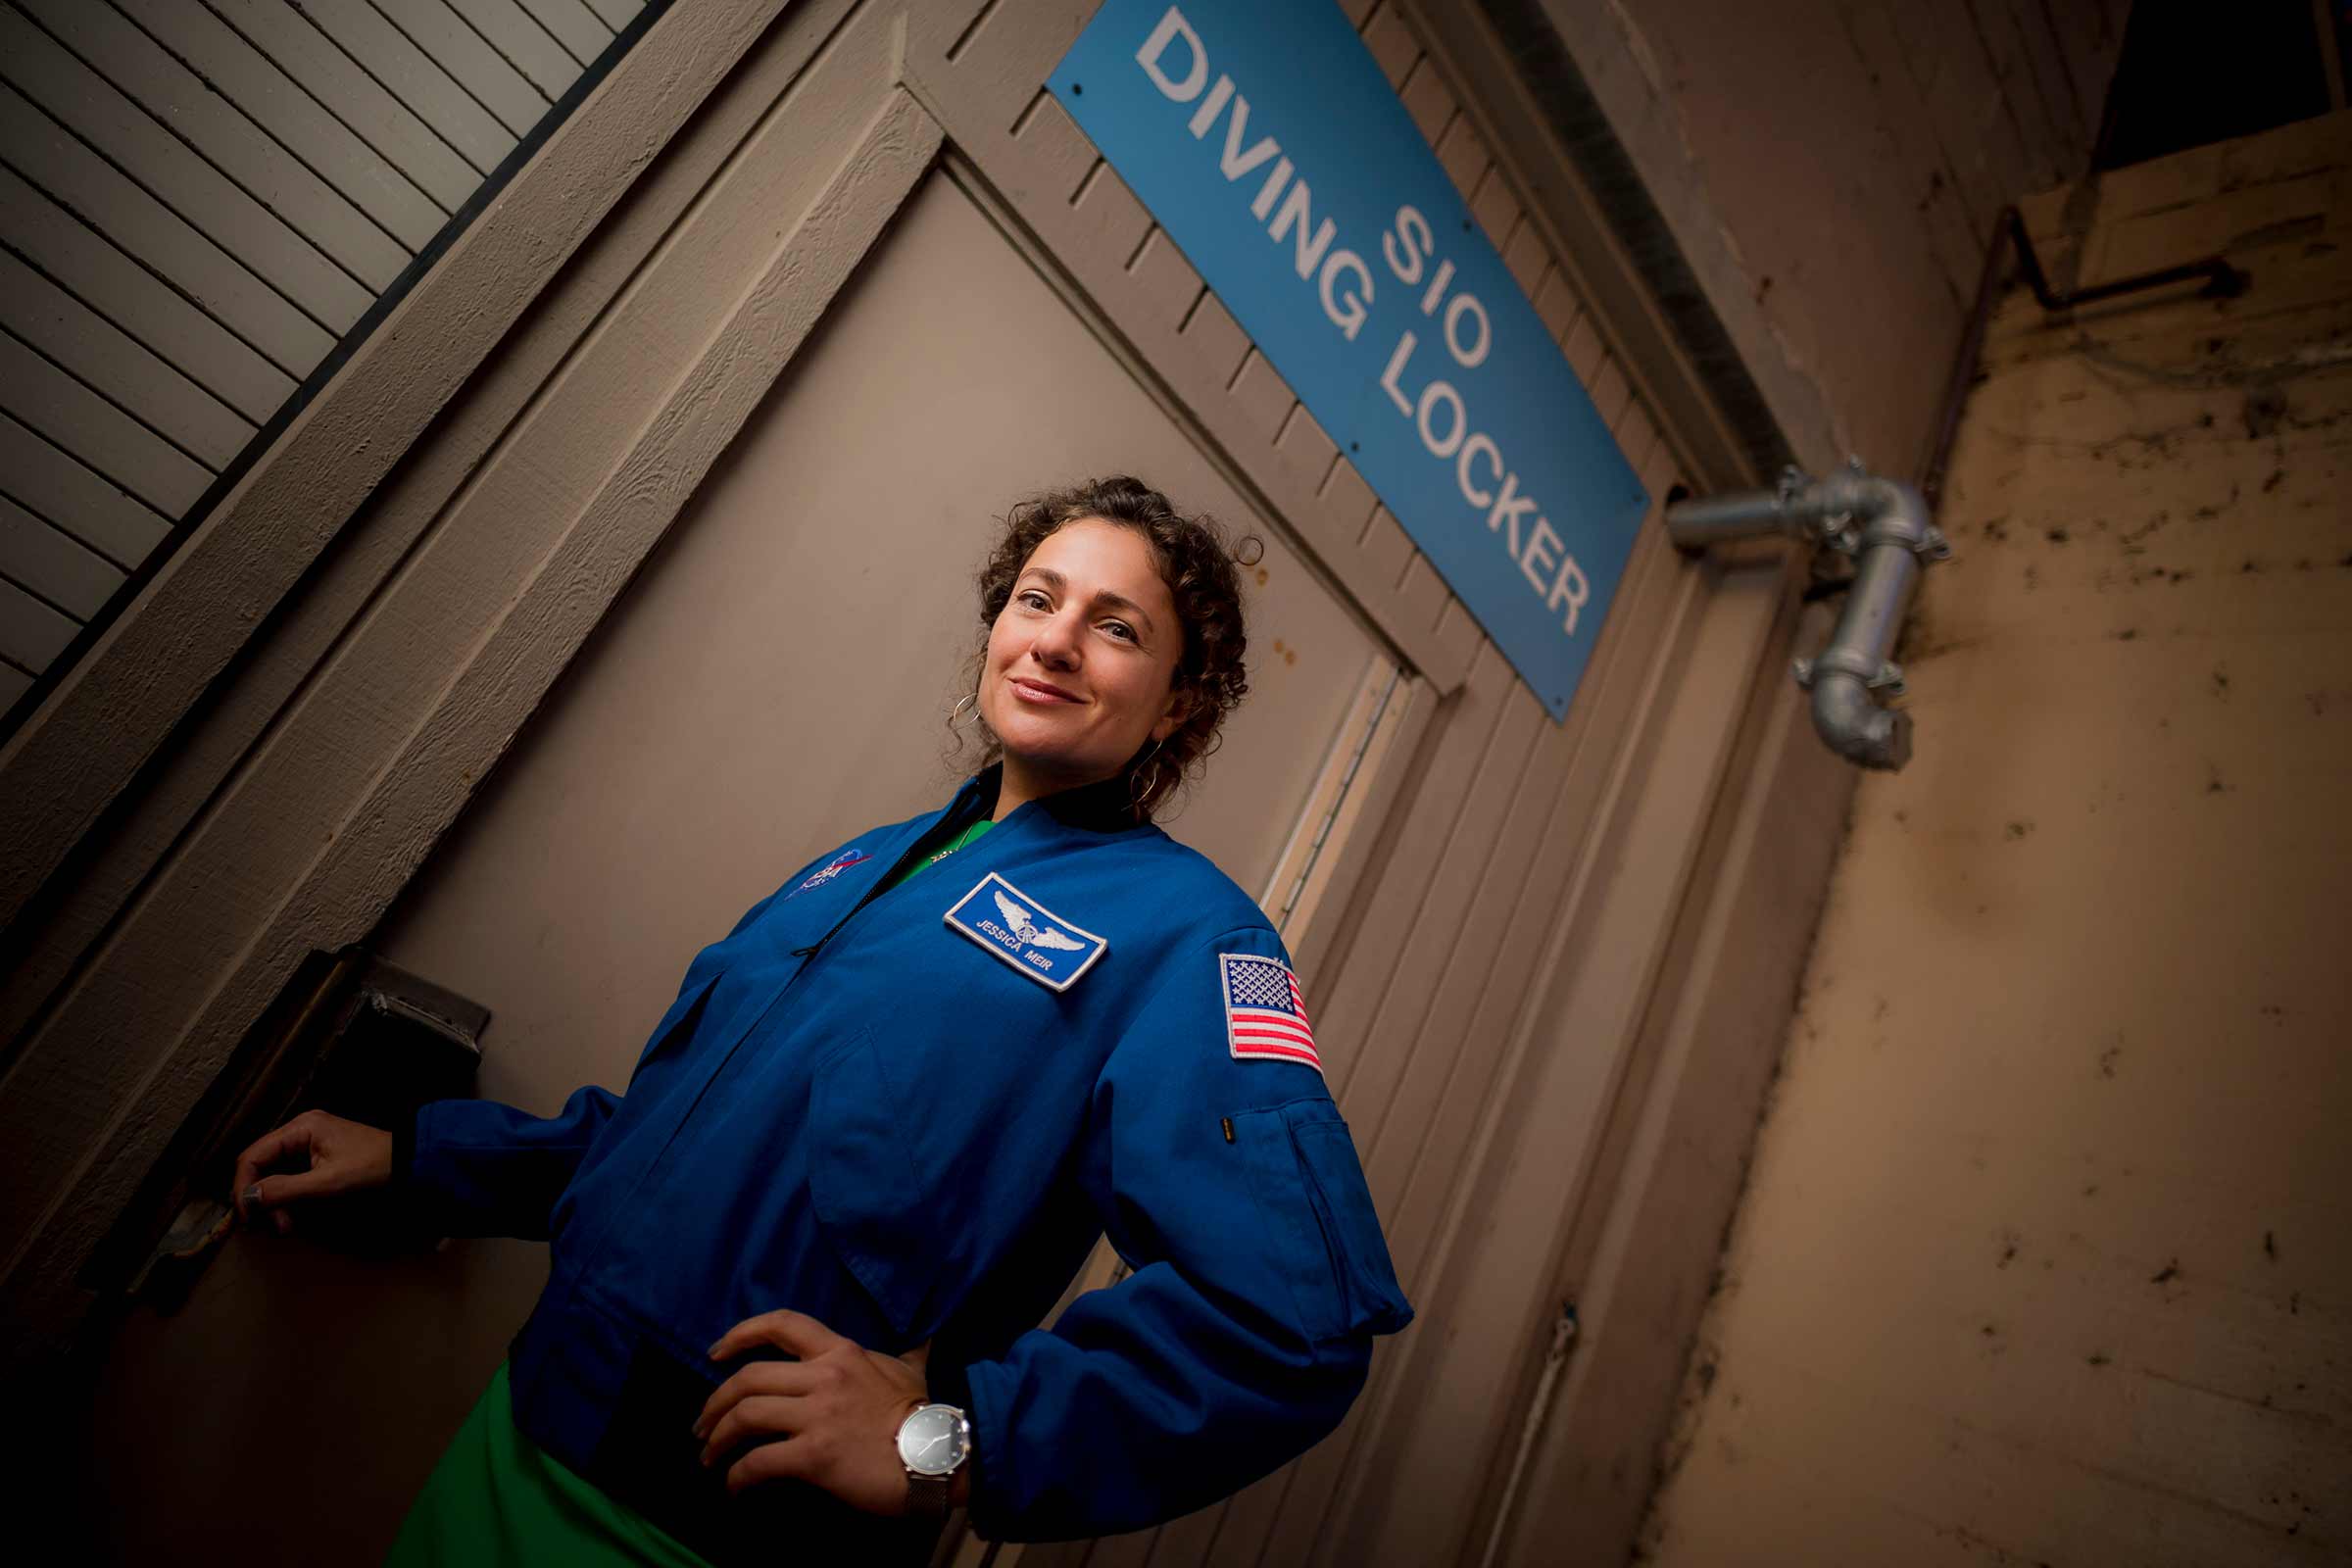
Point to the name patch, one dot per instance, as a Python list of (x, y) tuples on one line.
[(1025, 934), (826, 873)]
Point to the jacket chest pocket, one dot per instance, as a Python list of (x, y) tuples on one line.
[(927, 1156), (869, 1176)]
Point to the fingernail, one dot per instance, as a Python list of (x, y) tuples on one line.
[(713, 1352), (702, 1430), (285, 1222), (253, 1194)]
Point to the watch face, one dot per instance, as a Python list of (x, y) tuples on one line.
[(933, 1440)]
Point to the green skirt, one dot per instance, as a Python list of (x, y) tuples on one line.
[(496, 1498)]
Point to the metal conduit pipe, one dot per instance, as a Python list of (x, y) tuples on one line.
[(1737, 515), (1883, 525)]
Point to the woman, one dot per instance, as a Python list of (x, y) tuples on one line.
[(796, 1271)]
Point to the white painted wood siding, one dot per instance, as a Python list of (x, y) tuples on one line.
[(199, 200)]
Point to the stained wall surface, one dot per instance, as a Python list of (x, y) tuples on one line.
[(2044, 1257)]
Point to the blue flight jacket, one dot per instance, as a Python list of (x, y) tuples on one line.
[(880, 1110)]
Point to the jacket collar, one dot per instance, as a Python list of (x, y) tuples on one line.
[(1100, 808)]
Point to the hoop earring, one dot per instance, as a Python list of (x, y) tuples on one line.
[(955, 713), (1141, 797)]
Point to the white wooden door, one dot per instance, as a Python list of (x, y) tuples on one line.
[(778, 677)]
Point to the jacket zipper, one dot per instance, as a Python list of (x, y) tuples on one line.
[(594, 1254)]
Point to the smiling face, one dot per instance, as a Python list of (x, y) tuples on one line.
[(1081, 661)]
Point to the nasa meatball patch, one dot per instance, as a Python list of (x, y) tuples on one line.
[(831, 869), (1025, 934)]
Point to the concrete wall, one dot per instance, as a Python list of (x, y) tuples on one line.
[(1831, 169), (2044, 1257)]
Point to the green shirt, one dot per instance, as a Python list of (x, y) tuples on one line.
[(496, 1498), (934, 850)]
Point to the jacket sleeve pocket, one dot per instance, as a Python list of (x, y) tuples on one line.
[(1310, 1186)]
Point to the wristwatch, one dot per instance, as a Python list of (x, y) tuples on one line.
[(934, 1441)]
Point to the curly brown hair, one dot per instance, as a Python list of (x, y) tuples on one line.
[(1202, 573)]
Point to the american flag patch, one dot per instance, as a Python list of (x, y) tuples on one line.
[(1265, 1018)]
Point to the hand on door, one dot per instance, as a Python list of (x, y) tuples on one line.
[(339, 1156)]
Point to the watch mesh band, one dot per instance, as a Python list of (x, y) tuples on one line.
[(928, 1495)]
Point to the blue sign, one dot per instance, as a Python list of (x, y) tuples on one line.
[(1263, 137)]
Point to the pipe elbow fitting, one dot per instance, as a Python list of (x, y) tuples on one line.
[(1895, 514), (1856, 727), (1886, 526)]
